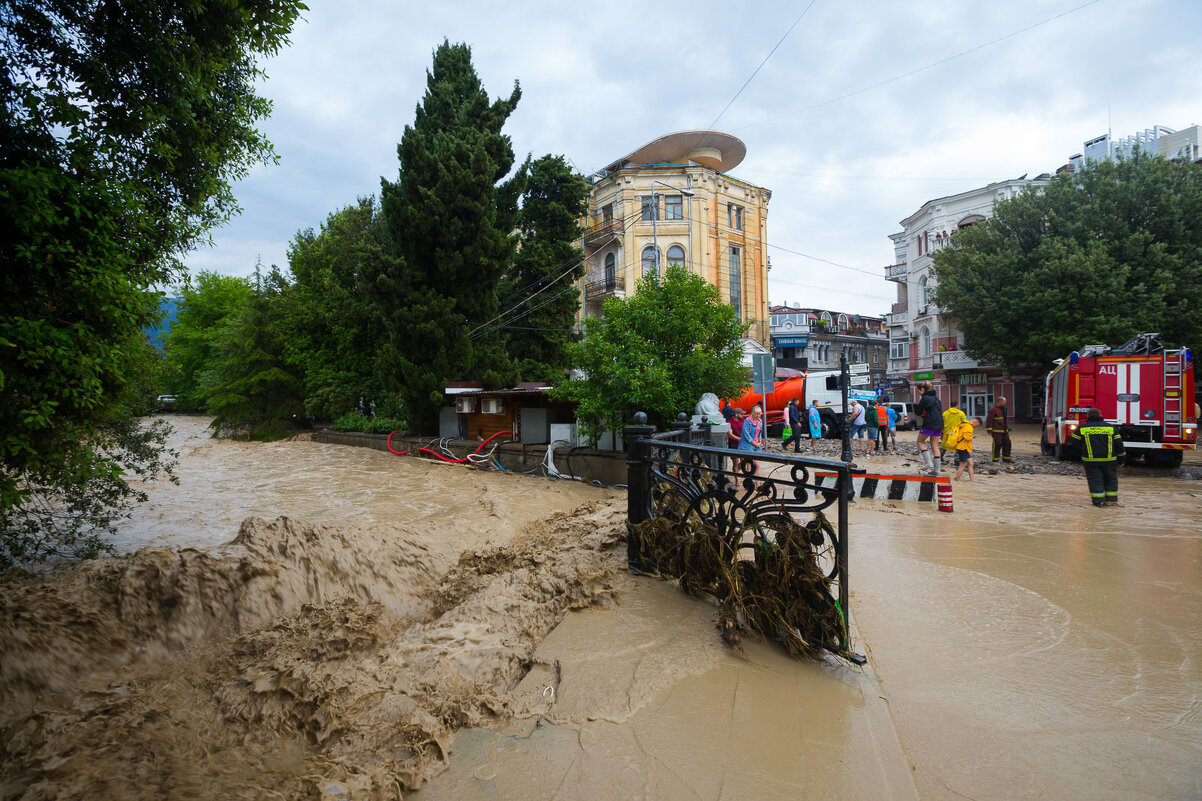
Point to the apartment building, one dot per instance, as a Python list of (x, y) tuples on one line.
[(815, 339), (924, 343), (673, 201)]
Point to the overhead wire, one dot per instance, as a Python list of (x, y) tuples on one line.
[(917, 70), (565, 269), (784, 36)]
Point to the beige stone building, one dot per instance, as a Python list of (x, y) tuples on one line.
[(672, 201)]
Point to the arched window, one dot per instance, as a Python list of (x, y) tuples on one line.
[(826, 318), (649, 260), (971, 219), (610, 277), (924, 347), (924, 292), (676, 256), (842, 322)]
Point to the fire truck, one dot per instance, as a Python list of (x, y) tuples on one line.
[(1142, 388)]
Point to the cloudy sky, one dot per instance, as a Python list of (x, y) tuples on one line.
[(862, 113)]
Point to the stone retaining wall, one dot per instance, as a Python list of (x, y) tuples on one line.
[(607, 467)]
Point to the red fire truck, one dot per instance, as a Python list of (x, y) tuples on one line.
[(1143, 388)]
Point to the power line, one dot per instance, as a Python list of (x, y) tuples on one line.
[(932, 65), (762, 63), (873, 273)]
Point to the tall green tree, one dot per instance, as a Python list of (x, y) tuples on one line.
[(449, 220), (658, 352), (249, 387), (208, 304), (122, 128), (1098, 256), (334, 332), (540, 293)]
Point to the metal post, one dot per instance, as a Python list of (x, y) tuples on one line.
[(638, 480), (654, 218), (844, 596), (844, 382)]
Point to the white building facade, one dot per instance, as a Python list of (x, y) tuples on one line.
[(924, 343)]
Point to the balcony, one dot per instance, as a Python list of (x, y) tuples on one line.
[(603, 233), (897, 366), (957, 360), (898, 318), (897, 272), (599, 288)]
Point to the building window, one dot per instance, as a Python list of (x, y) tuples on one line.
[(925, 342), (676, 256), (673, 207), (924, 293), (607, 214), (899, 349), (826, 318), (649, 260), (735, 216), (610, 277), (650, 207), (736, 281), (842, 322)]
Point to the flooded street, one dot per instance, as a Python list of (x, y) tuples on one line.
[(1032, 646), (477, 635)]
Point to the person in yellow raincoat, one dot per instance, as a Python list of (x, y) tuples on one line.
[(963, 446), (952, 419)]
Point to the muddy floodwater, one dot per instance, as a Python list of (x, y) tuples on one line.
[(322, 622)]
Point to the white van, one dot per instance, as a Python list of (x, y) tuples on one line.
[(906, 419)]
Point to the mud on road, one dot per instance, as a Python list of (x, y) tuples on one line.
[(300, 661)]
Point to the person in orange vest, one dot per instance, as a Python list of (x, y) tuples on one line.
[(882, 437), (999, 428)]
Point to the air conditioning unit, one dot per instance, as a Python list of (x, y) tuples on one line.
[(465, 405), (492, 406)]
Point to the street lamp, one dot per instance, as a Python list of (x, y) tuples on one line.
[(655, 216)]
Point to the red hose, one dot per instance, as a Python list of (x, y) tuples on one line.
[(440, 456), (389, 444)]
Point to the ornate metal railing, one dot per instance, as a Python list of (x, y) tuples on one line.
[(744, 495), (601, 288)]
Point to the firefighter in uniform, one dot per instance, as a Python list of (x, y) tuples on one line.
[(999, 429), (1101, 453)]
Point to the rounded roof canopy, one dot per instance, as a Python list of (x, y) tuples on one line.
[(714, 149)]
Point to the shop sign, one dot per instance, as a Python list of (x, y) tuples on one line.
[(974, 378), (791, 342), (923, 376)]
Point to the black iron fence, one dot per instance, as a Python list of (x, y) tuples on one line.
[(745, 496)]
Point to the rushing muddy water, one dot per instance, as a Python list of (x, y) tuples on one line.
[(410, 624)]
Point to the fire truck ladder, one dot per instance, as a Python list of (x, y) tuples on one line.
[(1172, 393)]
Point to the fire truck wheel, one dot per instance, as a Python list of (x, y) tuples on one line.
[(1060, 451), (1134, 456), (1044, 447)]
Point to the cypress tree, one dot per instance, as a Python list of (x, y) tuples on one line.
[(541, 295), (449, 220)]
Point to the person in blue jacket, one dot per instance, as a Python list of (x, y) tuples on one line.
[(753, 431)]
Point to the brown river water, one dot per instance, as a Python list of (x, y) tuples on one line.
[(315, 621)]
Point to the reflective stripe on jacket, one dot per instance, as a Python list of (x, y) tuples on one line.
[(1098, 441)]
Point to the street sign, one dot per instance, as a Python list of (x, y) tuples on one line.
[(862, 395), (861, 380), (763, 374), (857, 368)]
